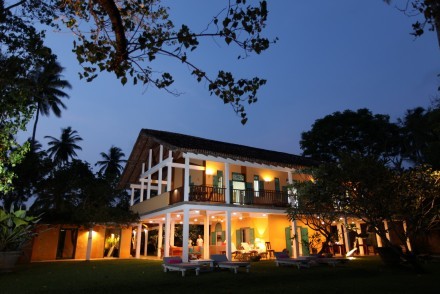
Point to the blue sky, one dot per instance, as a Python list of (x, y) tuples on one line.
[(331, 56)]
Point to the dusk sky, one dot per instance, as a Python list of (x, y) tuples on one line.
[(331, 56)]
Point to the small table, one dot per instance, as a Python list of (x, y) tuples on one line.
[(206, 265)]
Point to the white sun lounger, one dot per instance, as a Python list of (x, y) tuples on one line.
[(174, 263), (221, 261), (283, 259)]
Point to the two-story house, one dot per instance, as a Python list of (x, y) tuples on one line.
[(237, 193)]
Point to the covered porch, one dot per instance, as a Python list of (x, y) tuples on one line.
[(224, 229)]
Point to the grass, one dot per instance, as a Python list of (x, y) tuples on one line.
[(363, 275)]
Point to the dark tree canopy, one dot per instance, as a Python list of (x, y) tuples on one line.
[(421, 136), (358, 132)]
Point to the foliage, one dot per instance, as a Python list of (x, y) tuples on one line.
[(16, 229), (421, 135), (430, 14), (64, 149), (111, 165), (352, 132), (314, 205), (125, 37), (419, 192), (48, 91), (367, 189), (34, 167), (72, 193), (21, 52)]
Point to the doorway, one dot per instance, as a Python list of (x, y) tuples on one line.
[(67, 243)]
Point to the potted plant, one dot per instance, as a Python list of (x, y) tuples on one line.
[(16, 230)]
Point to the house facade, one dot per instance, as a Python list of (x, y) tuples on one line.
[(237, 194)]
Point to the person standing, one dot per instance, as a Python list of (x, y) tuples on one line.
[(199, 241)]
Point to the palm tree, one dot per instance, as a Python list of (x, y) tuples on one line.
[(48, 85), (64, 149), (111, 166)]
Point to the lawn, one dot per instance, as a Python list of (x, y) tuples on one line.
[(363, 275)]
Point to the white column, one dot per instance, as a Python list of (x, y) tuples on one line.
[(169, 173), (132, 197), (290, 182), (141, 198), (150, 158), (227, 190), (159, 187), (185, 234), (289, 177), (172, 232), (408, 243), (206, 237), (298, 241), (160, 240), (379, 241), (138, 240), (385, 225), (295, 243), (360, 240), (186, 184), (146, 242), (89, 244), (167, 234), (228, 234), (346, 243)]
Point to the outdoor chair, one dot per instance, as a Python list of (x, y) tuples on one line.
[(269, 250), (174, 263), (221, 261), (237, 254)]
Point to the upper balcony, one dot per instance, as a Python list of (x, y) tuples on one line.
[(209, 194), (239, 197)]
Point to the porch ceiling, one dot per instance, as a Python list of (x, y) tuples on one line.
[(197, 216)]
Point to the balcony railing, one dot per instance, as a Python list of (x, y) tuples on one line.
[(264, 197), (239, 197)]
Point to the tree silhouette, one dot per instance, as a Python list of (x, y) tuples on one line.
[(64, 149), (48, 85), (111, 165)]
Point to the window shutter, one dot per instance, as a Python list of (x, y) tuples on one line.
[(213, 238), (238, 238), (252, 235)]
